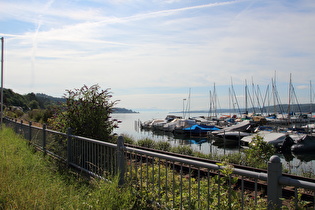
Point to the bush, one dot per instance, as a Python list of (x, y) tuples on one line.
[(14, 113), (148, 143), (184, 150), (163, 145), (259, 151), (87, 112), (39, 115), (127, 139)]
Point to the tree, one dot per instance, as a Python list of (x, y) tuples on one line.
[(33, 104), (87, 112)]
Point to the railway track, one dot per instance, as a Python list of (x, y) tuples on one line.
[(249, 184)]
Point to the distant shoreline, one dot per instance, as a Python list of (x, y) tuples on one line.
[(123, 110)]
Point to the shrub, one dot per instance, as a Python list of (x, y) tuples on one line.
[(259, 151), (148, 143), (87, 112), (163, 145), (184, 150), (127, 139)]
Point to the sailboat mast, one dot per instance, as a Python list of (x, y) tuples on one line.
[(311, 98), (289, 105), (230, 107), (274, 96), (246, 104), (215, 101), (210, 104)]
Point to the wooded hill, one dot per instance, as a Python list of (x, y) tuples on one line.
[(38, 101), (30, 100)]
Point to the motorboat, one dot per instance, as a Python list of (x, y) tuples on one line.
[(306, 144), (273, 138), (200, 130), (243, 126)]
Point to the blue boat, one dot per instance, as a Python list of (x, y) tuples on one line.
[(200, 130)]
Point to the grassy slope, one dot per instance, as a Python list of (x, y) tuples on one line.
[(28, 180)]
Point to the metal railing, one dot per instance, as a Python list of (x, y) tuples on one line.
[(165, 179)]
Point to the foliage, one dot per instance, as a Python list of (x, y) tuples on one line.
[(148, 143), (256, 156), (184, 150), (33, 104), (163, 145), (159, 145), (29, 180), (58, 121), (259, 151), (107, 195), (296, 203), (127, 139), (39, 115), (14, 99), (87, 112), (13, 112), (28, 101), (158, 186)]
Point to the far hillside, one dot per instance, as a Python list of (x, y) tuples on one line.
[(39, 101), (29, 101)]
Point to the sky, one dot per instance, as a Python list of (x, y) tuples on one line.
[(162, 54)]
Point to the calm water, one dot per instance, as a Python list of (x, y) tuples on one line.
[(299, 165)]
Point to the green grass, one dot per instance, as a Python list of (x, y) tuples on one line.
[(29, 180)]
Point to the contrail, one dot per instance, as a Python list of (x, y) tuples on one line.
[(34, 40), (166, 12)]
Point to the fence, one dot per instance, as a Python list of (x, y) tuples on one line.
[(165, 179)]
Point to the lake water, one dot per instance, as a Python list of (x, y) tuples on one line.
[(129, 126)]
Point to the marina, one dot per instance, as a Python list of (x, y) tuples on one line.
[(218, 144)]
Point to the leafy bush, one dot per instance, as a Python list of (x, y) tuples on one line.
[(38, 115), (127, 139), (13, 113), (87, 112), (184, 150), (163, 145), (33, 104), (148, 143), (259, 151)]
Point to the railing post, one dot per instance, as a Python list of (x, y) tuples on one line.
[(274, 189), (44, 138), (69, 146), (21, 127), (30, 131), (15, 126), (121, 160)]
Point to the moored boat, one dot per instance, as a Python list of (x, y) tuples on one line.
[(199, 130), (306, 144)]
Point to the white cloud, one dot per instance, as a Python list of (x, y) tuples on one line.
[(175, 47)]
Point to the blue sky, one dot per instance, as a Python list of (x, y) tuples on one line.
[(151, 53)]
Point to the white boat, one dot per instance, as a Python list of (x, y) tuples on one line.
[(178, 124), (273, 138), (241, 126), (233, 135)]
